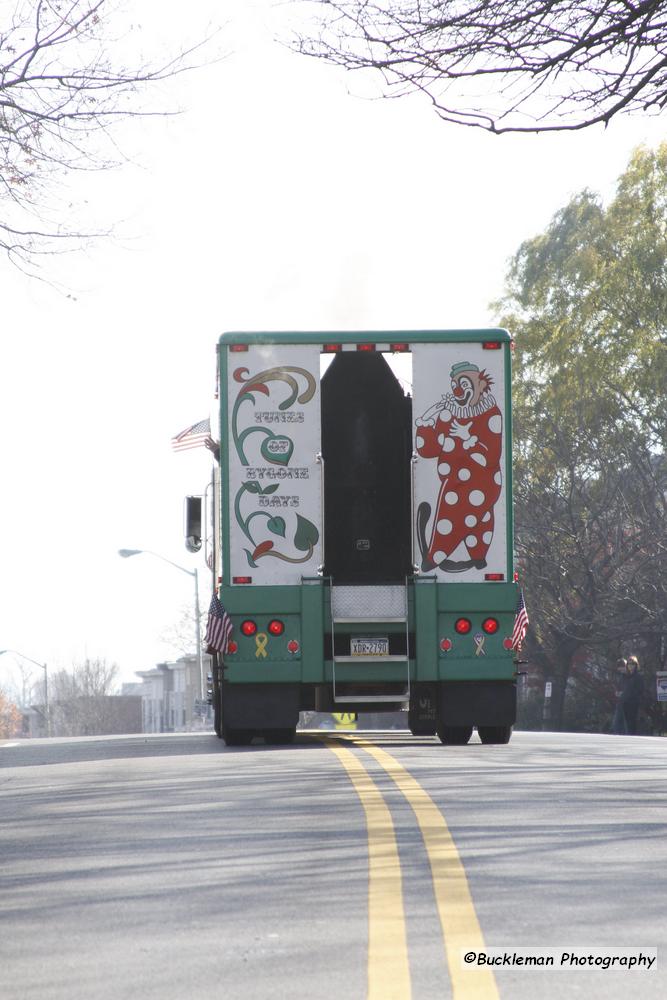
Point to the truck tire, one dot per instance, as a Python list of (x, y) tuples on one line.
[(237, 737), (454, 736), (494, 734), (279, 737)]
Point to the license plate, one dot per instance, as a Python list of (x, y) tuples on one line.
[(369, 647)]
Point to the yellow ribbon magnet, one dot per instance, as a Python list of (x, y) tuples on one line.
[(479, 643), (261, 640)]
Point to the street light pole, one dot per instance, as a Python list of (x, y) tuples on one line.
[(43, 667), (126, 553), (200, 660)]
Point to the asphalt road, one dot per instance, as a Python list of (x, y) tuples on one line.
[(171, 867)]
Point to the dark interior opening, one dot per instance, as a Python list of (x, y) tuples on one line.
[(367, 447)]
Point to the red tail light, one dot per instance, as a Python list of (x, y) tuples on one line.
[(276, 627), (331, 348), (241, 579), (232, 646), (492, 345), (494, 576), (293, 646), (248, 627), (399, 348), (445, 645), (490, 626), (238, 347), (462, 626), (365, 347)]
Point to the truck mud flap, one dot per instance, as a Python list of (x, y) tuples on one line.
[(477, 703), (260, 706), (423, 710)]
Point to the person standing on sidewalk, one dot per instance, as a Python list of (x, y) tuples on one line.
[(618, 724), (633, 688), (629, 690)]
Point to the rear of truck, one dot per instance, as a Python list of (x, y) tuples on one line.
[(364, 531)]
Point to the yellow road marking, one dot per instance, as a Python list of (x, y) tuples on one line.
[(458, 919), (388, 968)]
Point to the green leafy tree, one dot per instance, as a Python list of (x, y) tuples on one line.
[(586, 301)]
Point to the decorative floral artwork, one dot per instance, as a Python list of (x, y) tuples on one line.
[(267, 418)]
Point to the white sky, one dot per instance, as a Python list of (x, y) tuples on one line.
[(279, 200)]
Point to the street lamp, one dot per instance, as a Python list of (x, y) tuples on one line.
[(43, 666), (126, 553)]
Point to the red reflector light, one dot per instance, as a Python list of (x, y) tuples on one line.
[(241, 579), (232, 646), (399, 348), (293, 646), (494, 576), (276, 627), (365, 347), (462, 625), (248, 627), (492, 345), (445, 645), (331, 348), (507, 643), (238, 347), (490, 626)]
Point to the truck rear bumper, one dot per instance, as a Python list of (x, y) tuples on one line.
[(260, 706), (477, 703)]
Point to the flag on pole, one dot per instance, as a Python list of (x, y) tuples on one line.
[(218, 628), (520, 622), (195, 436)]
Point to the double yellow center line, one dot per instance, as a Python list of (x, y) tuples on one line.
[(388, 965)]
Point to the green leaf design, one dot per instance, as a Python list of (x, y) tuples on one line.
[(277, 526), (270, 489), (250, 559), (277, 449), (253, 486), (306, 536)]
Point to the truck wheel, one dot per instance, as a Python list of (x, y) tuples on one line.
[(279, 737), (455, 736), (494, 734), (237, 737)]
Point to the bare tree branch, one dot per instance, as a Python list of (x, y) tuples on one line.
[(505, 65), (65, 83)]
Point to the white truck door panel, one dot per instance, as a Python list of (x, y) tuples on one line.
[(460, 437), (274, 475)]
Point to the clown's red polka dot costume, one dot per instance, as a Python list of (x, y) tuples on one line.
[(463, 432)]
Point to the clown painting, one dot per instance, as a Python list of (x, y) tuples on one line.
[(463, 434)]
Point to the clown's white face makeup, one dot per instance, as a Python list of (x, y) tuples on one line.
[(466, 389)]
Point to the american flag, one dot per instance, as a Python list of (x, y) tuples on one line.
[(218, 628), (193, 437), (520, 622)]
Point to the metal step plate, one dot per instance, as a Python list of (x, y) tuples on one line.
[(377, 603)]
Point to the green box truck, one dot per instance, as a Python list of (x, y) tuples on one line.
[(362, 531)]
